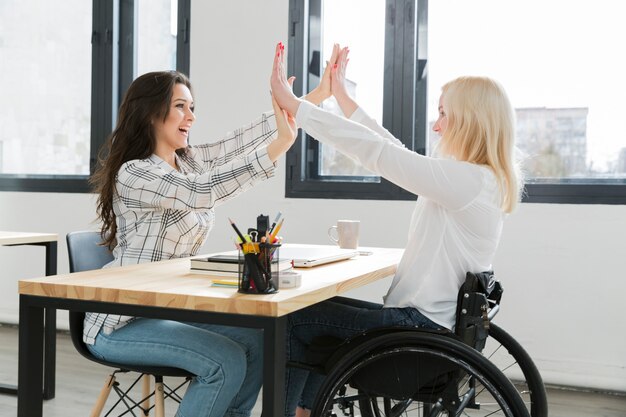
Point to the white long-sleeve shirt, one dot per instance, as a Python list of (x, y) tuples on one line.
[(457, 222)]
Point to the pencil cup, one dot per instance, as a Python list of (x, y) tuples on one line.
[(258, 268)]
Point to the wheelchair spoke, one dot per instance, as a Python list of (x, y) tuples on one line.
[(517, 365), (414, 380), (494, 352)]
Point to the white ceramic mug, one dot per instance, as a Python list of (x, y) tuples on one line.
[(347, 234)]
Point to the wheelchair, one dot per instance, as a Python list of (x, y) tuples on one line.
[(478, 370)]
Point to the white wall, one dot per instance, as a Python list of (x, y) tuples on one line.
[(561, 265)]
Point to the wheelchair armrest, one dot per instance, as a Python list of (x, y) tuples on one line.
[(493, 311), (477, 303)]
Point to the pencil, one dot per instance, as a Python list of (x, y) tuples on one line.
[(276, 230), (274, 223)]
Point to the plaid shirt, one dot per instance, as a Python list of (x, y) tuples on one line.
[(163, 213)]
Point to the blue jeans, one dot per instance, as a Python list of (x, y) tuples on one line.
[(339, 317), (228, 361)]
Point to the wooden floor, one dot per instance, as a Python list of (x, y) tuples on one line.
[(79, 382)]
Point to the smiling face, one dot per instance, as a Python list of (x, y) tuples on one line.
[(173, 132)]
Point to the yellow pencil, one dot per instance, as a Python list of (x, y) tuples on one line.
[(276, 230)]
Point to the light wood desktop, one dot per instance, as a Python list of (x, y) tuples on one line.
[(168, 289), (26, 238), (49, 242)]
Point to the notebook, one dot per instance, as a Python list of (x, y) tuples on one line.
[(306, 256)]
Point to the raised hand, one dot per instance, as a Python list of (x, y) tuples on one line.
[(324, 90), (338, 83), (285, 125), (338, 73), (281, 88)]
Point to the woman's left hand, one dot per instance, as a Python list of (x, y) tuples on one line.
[(281, 87), (285, 123)]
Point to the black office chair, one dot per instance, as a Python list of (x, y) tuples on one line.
[(86, 253)]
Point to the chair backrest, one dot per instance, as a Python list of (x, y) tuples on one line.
[(85, 251), (478, 296), (85, 254)]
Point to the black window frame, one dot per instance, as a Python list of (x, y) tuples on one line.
[(405, 86), (406, 20), (576, 191), (112, 71)]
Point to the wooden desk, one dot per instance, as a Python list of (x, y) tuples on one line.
[(49, 241), (168, 290)]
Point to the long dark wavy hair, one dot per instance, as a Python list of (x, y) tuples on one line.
[(148, 98)]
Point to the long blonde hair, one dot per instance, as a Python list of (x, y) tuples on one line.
[(481, 130)]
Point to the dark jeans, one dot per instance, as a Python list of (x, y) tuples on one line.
[(340, 317)]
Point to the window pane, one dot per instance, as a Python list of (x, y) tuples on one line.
[(562, 65), (45, 113), (364, 33), (156, 29)]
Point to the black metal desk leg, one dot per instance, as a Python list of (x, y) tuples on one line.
[(30, 360), (50, 343), (274, 361)]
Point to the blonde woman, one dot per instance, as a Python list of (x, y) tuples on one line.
[(464, 194)]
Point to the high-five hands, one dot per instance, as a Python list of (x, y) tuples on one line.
[(324, 89), (285, 120), (338, 82), (281, 88)]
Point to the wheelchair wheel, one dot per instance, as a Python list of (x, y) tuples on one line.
[(416, 374), (511, 358)]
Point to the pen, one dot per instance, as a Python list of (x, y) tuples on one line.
[(275, 220), (276, 230), (232, 223)]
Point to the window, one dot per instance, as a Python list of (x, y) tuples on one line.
[(565, 88), (366, 69), (388, 52), (45, 115), (157, 29), (66, 75), (554, 60)]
